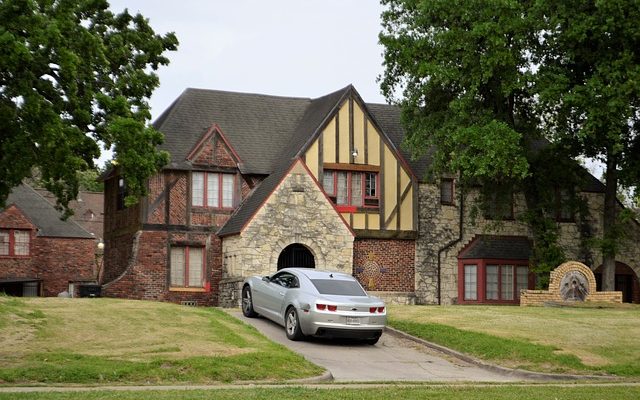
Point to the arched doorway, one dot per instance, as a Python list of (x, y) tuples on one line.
[(626, 282), (296, 255)]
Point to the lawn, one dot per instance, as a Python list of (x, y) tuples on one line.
[(550, 339), (578, 392), (106, 341)]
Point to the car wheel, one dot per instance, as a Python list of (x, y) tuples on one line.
[(247, 303), (292, 325), (372, 341)]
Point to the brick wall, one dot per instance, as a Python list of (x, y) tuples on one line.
[(385, 265), (61, 260)]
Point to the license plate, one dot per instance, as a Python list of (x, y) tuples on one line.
[(353, 321)]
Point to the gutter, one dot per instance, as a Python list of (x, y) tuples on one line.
[(449, 245)]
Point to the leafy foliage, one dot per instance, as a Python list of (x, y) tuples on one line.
[(485, 86), (74, 75)]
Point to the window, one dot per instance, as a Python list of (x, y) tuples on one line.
[(212, 190), (499, 206), (502, 282), (564, 205), (14, 242), (446, 192), (187, 267), (471, 282), (338, 287), (351, 188)]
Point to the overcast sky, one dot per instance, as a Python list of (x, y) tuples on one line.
[(302, 48)]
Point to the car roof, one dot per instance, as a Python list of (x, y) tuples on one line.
[(312, 273)]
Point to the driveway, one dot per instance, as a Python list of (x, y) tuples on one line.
[(393, 358)]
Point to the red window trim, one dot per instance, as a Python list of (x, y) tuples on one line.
[(205, 197), (12, 243), (349, 207), (481, 279), (205, 283)]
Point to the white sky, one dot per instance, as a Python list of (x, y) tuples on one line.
[(302, 48)]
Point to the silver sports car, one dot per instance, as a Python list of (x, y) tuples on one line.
[(309, 302)]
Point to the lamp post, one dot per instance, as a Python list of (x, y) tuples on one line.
[(99, 260)]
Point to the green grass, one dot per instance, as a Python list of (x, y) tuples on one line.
[(582, 392), (106, 341), (566, 340)]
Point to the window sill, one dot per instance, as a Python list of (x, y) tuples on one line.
[(187, 289)]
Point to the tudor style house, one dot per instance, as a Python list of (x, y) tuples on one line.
[(41, 255), (257, 183)]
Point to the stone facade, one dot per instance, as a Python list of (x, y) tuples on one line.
[(440, 237), (296, 212)]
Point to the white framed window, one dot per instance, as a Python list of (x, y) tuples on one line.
[(471, 282), (212, 189), (187, 267)]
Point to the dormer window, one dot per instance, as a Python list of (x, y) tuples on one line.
[(213, 190)]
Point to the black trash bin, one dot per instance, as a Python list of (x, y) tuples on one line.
[(90, 290)]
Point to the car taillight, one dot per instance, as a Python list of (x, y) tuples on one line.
[(373, 310), (323, 307), (380, 309)]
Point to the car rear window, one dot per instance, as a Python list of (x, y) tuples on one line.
[(338, 287)]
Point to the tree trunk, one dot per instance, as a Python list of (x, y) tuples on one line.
[(609, 223)]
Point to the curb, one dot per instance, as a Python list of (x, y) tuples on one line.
[(519, 373), (325, 377)]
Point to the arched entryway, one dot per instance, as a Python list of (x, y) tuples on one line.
[(296, 255), (626, 282)]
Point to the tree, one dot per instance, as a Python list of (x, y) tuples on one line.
[(589, 85), (73, 75), (482, 81), (460, 69)]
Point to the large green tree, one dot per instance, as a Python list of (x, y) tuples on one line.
[(482, 81), (588, 53), (74, 75)]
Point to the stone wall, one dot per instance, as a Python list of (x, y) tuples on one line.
[(296, 212), (439, 232)]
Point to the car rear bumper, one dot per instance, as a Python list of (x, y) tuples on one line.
[(348, 333), (335, 325)]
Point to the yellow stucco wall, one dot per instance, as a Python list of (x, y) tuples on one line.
[(339, 133)]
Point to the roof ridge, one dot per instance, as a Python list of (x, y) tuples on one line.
[(162, 118), (190, 89)]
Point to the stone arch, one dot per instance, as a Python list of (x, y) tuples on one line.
[(627, 281), (296, 255), (284, 243)]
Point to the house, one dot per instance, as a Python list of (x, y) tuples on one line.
[(257, 183), (41, 255), (88, 210)]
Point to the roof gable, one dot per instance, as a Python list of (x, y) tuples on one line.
[(213, 149), (43, 215), (12, 217)]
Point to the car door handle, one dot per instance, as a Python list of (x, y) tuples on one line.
[(281, 293)]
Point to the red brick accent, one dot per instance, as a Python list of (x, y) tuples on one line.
[(215, 152), (385, 265), (56, 261), (13, 218), (149, 277)]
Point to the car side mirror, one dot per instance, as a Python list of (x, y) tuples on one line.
[(266, 278)]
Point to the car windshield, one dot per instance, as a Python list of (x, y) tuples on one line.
[(338, 287)]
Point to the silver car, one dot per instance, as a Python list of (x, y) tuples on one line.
[(309, 302)]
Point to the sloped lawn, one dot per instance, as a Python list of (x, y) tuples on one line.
[(566, 340), (106, 341)]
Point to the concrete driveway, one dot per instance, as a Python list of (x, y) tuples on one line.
[(393, 358)]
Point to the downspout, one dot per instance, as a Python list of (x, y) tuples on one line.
[(449, 245)]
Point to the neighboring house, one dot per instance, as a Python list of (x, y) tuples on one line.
[(257, 183), (41, 255), (88, 210)]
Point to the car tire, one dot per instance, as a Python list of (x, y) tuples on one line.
[(372, 341), (292, 324), (247, 303)]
